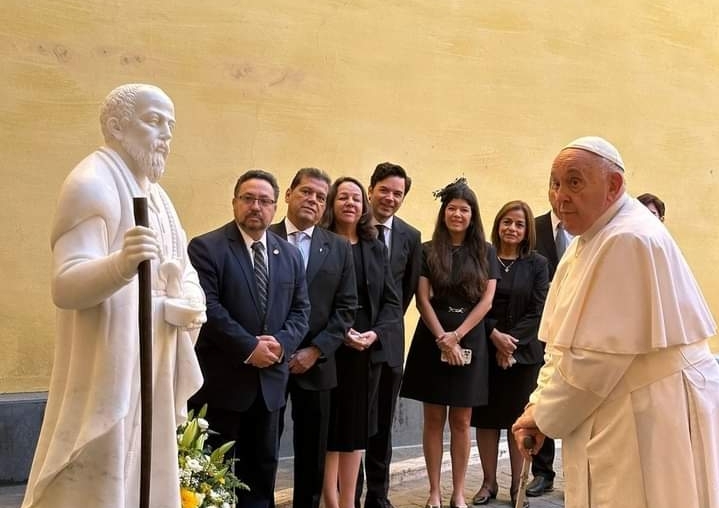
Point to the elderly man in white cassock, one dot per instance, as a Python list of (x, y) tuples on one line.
[(630, 385), (88, 452)]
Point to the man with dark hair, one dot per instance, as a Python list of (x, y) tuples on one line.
[(257, 311), (654, 204), (333, 298), (389, 184)]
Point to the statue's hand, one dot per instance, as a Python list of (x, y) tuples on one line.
[(184, 313), (171, 273), (139, 244)]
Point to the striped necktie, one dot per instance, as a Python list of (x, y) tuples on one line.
[(260, 274)]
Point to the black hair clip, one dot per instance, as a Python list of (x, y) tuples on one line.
[(441, 193)]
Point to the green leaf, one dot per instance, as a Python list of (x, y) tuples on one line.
[(219, 454), (190, 434)]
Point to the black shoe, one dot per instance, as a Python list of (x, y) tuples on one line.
[(539, 485)]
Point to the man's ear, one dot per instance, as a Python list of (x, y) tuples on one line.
[(616, 184), (287, 195), (114, 127)]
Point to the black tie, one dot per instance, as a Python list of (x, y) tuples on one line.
[(381, 237), (260, 274)]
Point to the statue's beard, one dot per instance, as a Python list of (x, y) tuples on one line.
[(150, 163)]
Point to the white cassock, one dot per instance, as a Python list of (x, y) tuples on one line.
[(630, 385), (88, 452)]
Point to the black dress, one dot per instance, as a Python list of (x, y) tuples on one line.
[(426, 377), (516, 310), (353, 406)]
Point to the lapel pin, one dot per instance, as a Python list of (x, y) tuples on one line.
[(321, 249), (275, 252)]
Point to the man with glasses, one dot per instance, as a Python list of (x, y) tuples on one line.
[(333, 298), (257, 311)]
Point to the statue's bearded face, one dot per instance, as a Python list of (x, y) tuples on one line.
[(147, 135), (149, 161)]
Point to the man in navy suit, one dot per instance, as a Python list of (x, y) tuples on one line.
[(389, 184), (548, 226), (333, 297), (257, 314)]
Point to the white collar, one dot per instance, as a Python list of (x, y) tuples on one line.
[(388, 223), (249, 240), (291, 228)]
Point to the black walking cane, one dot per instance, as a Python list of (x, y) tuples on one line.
[(145, 323)]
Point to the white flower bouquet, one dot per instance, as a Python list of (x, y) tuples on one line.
[(206, 478)]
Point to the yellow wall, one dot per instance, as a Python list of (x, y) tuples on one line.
[(484, 88)]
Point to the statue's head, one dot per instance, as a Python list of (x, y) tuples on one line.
[(137, 121)]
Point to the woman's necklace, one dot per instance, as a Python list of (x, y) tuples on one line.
[(506, 267)]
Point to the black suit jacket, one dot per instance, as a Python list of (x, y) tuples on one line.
[(545, 241), (405, 265), (405, 259), (332, 292), (228, 337), (524, 311), (385, 306)]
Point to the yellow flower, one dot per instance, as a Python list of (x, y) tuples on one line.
[(189, 498)]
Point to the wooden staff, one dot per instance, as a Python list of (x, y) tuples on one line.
[(528, 443), (145, 323)]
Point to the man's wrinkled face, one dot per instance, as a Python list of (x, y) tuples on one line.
[(584, 188), (306, 202), (386, 197), (146, 136)]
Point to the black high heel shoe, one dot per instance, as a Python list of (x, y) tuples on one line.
[(480, 498)]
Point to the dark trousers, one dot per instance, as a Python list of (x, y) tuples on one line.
[(543, 461), (310, 417), (378, 454), (256, 432)]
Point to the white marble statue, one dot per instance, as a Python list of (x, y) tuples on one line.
[(88, 453)]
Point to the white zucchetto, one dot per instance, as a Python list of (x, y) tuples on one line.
[(598, 146)]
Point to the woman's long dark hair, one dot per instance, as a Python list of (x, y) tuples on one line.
[(472, 274), (365, 230)]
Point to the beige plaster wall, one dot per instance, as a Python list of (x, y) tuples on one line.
[(482, 88)]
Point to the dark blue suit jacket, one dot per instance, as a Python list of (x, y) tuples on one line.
[(233, 317)]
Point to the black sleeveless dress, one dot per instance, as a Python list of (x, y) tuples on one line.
[(426, 377)]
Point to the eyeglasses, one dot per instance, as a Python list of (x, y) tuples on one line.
[(250, 200)]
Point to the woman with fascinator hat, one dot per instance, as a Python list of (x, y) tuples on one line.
[(447, 362)]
